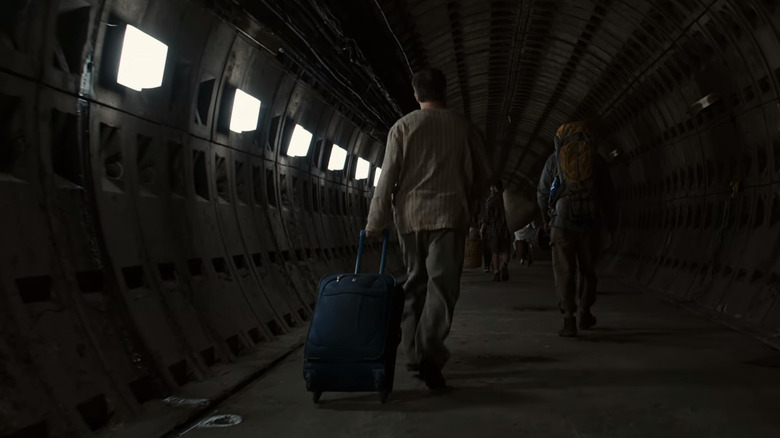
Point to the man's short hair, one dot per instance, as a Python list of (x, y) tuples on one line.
[(430, 85)]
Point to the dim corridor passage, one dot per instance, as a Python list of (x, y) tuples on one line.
[(649, 369)]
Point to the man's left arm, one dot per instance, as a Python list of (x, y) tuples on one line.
[(381, 212)]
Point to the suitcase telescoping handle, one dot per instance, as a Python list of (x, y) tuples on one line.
[(385, 240)]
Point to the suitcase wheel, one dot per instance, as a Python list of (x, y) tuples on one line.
[(315, 396), (383, 396)]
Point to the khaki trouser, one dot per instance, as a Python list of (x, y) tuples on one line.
[(434, 262), (575, 252)]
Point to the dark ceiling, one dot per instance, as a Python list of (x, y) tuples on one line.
[(518, 69)]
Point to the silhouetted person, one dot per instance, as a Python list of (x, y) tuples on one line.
[(579, 213), (486, 253), (433, 172), (495, 230)]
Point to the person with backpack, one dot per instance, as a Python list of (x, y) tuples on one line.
[(577, 199)]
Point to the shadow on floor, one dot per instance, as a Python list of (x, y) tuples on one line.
[(766, 362), (492, 366), (623, 336), (519, 381), (645, 377), (535, 309), (517, 387), (498, 360), (423, 400), (619, 292), (626, 335), (498, 375)]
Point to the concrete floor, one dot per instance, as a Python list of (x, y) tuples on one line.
[(648, 370)]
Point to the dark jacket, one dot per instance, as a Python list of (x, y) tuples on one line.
[(494, 217)]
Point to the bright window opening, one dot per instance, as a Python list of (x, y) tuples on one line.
[(299, 143), (705, 101), (377, 172), (338, 158), (362, 169), (245, 113), (142, 63)]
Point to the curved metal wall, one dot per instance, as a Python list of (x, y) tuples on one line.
[(142, 242), (699, 138)]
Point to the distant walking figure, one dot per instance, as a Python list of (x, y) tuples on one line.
[(486, 253), (496, 231)]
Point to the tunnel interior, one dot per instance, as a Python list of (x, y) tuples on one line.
[(147, 245)]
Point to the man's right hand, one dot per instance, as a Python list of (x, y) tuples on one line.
[(546, 222)]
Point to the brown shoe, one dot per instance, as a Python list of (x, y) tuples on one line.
[(587, 320), (432, 376), (569, 329)]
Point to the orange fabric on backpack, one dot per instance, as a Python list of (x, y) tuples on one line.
[(576, 160), (569, 129)]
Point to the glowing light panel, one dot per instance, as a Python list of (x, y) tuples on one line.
[(338, 158), (362, 169), (376, 175), (246, 111), (299, 143), (142, 62)]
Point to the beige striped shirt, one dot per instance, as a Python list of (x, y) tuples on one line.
[(435, 167)]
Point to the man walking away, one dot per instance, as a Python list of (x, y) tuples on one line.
[(577, 199), (434, 169)]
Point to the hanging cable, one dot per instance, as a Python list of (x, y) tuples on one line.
[(335, 75), (376, 2), (361, 61)]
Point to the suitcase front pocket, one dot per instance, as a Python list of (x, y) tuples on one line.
[(349, 326)]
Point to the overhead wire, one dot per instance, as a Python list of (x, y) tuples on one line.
[(400, 46), (361, 62), (343, 81)]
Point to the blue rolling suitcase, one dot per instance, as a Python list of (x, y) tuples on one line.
[(354, 332)]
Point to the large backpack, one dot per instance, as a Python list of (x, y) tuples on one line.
[(575, 197)]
